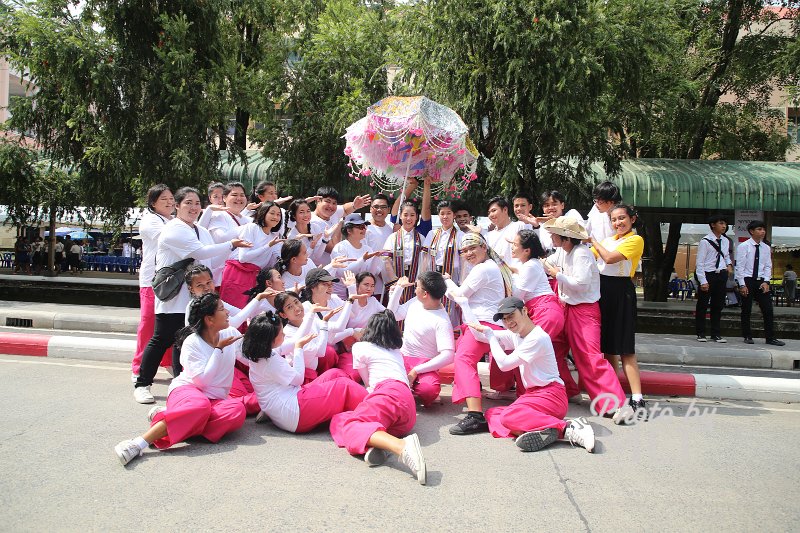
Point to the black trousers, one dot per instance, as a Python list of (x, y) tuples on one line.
[(166, 326), (715, 296), (764, 300)]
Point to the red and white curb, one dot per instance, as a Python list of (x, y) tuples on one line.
[(708, 386)]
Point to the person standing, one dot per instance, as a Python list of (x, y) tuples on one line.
[(225, 225), (500, 238), (789, 285), (442, 247), (753, 273), (713, 263)]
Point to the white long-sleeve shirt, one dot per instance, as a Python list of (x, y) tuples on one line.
[(707, 256), (315, 348), (178, 241), (579, 279), (546, 238), (338, 324), (276, 382), (150, 229), (598, 224), (208, 368), (745, 256), (498, 240), (359, 314), (261, 254), (237, 316), (483, 287), (530, 281), (224, 226), (345, 248)]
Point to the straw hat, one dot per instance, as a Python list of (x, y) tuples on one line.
[(566, 227)]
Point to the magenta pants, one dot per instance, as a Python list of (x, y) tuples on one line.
[(331, 393), (582, 332), (466, 382), (237, 278), (147, 324), (191, 413), (548, 313), (344, 361), (324, 363), (390, 408), (242, 389), (428, 385), (539, 408)]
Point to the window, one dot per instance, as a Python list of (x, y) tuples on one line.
[(793, 124)]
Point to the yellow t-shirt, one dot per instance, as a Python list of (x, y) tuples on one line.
[(630, 245)]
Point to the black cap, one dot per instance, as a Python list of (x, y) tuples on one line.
[(354, 219), (315, 275), (506, 306)]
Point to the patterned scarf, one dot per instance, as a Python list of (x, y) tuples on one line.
[(449, 258), (399, 257), (476, 239)]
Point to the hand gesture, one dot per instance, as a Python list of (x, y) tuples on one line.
[(446, 275), (224, 343), (341, 262), (303, 236), (240, 243), (285, 199), (412, 376), (528, 219), (362, 201), (298, 287), (266, 294), (315, 239), (370, 255), (354, 297), (478, 327), (313, 199), (473, 228), (275, 241), (215, 207), (302, 341), (411, 186), (349, 279), (332, 312), (551, 270), (403, 282), (252, 206), (317, 308)]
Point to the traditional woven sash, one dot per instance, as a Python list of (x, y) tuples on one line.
[(399, 264)]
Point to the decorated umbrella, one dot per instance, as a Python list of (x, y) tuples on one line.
[(403, 137)]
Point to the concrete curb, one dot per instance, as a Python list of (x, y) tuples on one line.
[(703, 356), (72, 321), (64, 347)]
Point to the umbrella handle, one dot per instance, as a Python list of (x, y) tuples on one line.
[(403, 188)]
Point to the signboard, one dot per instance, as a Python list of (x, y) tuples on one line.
[(743, 218)]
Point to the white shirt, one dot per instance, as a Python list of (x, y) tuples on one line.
[(239, 316), (530, 281), (317, 252), (546, 238), (707, 256), (483, 287), (346, 249), (579, 279), (408, 245), (360, 315), (441, 246), (745, 256), (206, 367), (426, 332), (376, 364), (290, 280), (261, 254), (327, 224), (179, 241), (336, 325), (149, 229), (498, 240), (598, 224), (276, 383), (377, 235)]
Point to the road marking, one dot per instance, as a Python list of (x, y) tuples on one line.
[(75, 365)]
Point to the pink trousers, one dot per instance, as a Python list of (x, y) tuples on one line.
[(539, 408), (547, 312), (147, 324), (191, 413), (390, 408), (324, 363), (242, 389), (428, 385), (237, 278), (466, 382), (344, 361), (333, 392), (582, 333)]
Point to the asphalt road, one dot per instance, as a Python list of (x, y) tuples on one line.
[(731, 470)]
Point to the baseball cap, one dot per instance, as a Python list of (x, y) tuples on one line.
[(315, 275), (506, 306), (354, 219)]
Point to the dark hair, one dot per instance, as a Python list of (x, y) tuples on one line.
[(194, 271), (433, 283), (523, 196), (446, 204), (364, 275), (228, 188), (607, 191), (555, 195), (789, 266), (291, 215), (501, 202), (289, 251), (630, 210), (326, 191), (259, 189), (411, 204), (260, 336), (183, 192), (716, 217), (261, 212), (263, 276), (214, 185), (382, 330), (530, 241), (153, 193), (280, 302), (461, 206), (755, 224), (199, 309), (381, 196)]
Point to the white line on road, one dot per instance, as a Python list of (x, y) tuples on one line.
[(41, 361)]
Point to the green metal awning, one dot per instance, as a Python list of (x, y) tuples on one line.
[(254, 169), (708, 184)]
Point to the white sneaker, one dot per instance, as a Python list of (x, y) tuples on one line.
[(261, 417), (580, 432), (142, 395), (127, 451), (533, 441), (624, 415), (375, 457), (154, 411), (134, 377), (412, 458)]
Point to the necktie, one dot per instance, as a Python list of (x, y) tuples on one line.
[(719, 253), (755, 261)]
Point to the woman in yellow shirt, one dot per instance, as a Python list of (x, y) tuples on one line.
[(617, 258)]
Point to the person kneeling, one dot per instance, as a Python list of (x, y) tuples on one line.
[(536, 417)]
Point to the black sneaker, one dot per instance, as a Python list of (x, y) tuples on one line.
[(718, 339), (640, 408), (701, 338), (748, 340), (776, 342), (472, 423)]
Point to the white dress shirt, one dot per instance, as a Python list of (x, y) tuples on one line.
[(579, 279), (707, 256), (745, 256)]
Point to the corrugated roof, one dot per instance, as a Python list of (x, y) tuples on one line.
[(708, 184), (256, 168)]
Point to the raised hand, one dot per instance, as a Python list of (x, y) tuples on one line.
[(215, 207), (332, 312), (478, 327), (252, 206), (223, 343), (404, 282), (302, 341), (349, 279), (315, 239), (361, 201), (361, 297), (317, 308), (275, 241), (341, 262), (370, 255), (313, 199), (285, 199), (267, 293), (241, 243)]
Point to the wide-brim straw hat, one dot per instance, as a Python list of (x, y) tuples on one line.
[(566, 227)]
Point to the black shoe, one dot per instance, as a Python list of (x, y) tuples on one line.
[(472, 423), (640, 408), (701, 338), (776, 342), (748, 340), (718, 339)]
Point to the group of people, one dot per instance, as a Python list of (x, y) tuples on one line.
[(301, 312), (31, 257)]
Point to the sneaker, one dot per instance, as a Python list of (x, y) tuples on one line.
[(533, 441), (142, 395), (748, 340), (126, 451), (639, 409), (375, 457), (624, 415), (134, 377), (576, 399), (719, 340), (154, 411), (701, 338), (261, 417), (412, 458), (501, 395), (776, 342), (472, 423), (580, 432)]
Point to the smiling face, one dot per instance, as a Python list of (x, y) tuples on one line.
[(621, 222), (215, 196), (356, 234), (474, 255), (379, 209), (276, 282), (301, 258), (463, 219), (517, 251), (270, 194), (303, 215), (293, 311), (236, 200), (498, 216), (522, 207), (189, 208), (202, 284), (408, 218), (327, 207), (321, 292), (553, 208), (165, 204), (515, 321), (219, 320), (447, 217), (272, 218)]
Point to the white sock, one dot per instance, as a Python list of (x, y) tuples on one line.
[(141, 443), (637, 397)]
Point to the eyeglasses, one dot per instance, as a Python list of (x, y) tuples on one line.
[(379, 207)]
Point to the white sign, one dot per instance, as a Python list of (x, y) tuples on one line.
[(743, 218)]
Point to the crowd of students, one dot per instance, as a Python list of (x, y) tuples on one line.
[(301, 312)]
